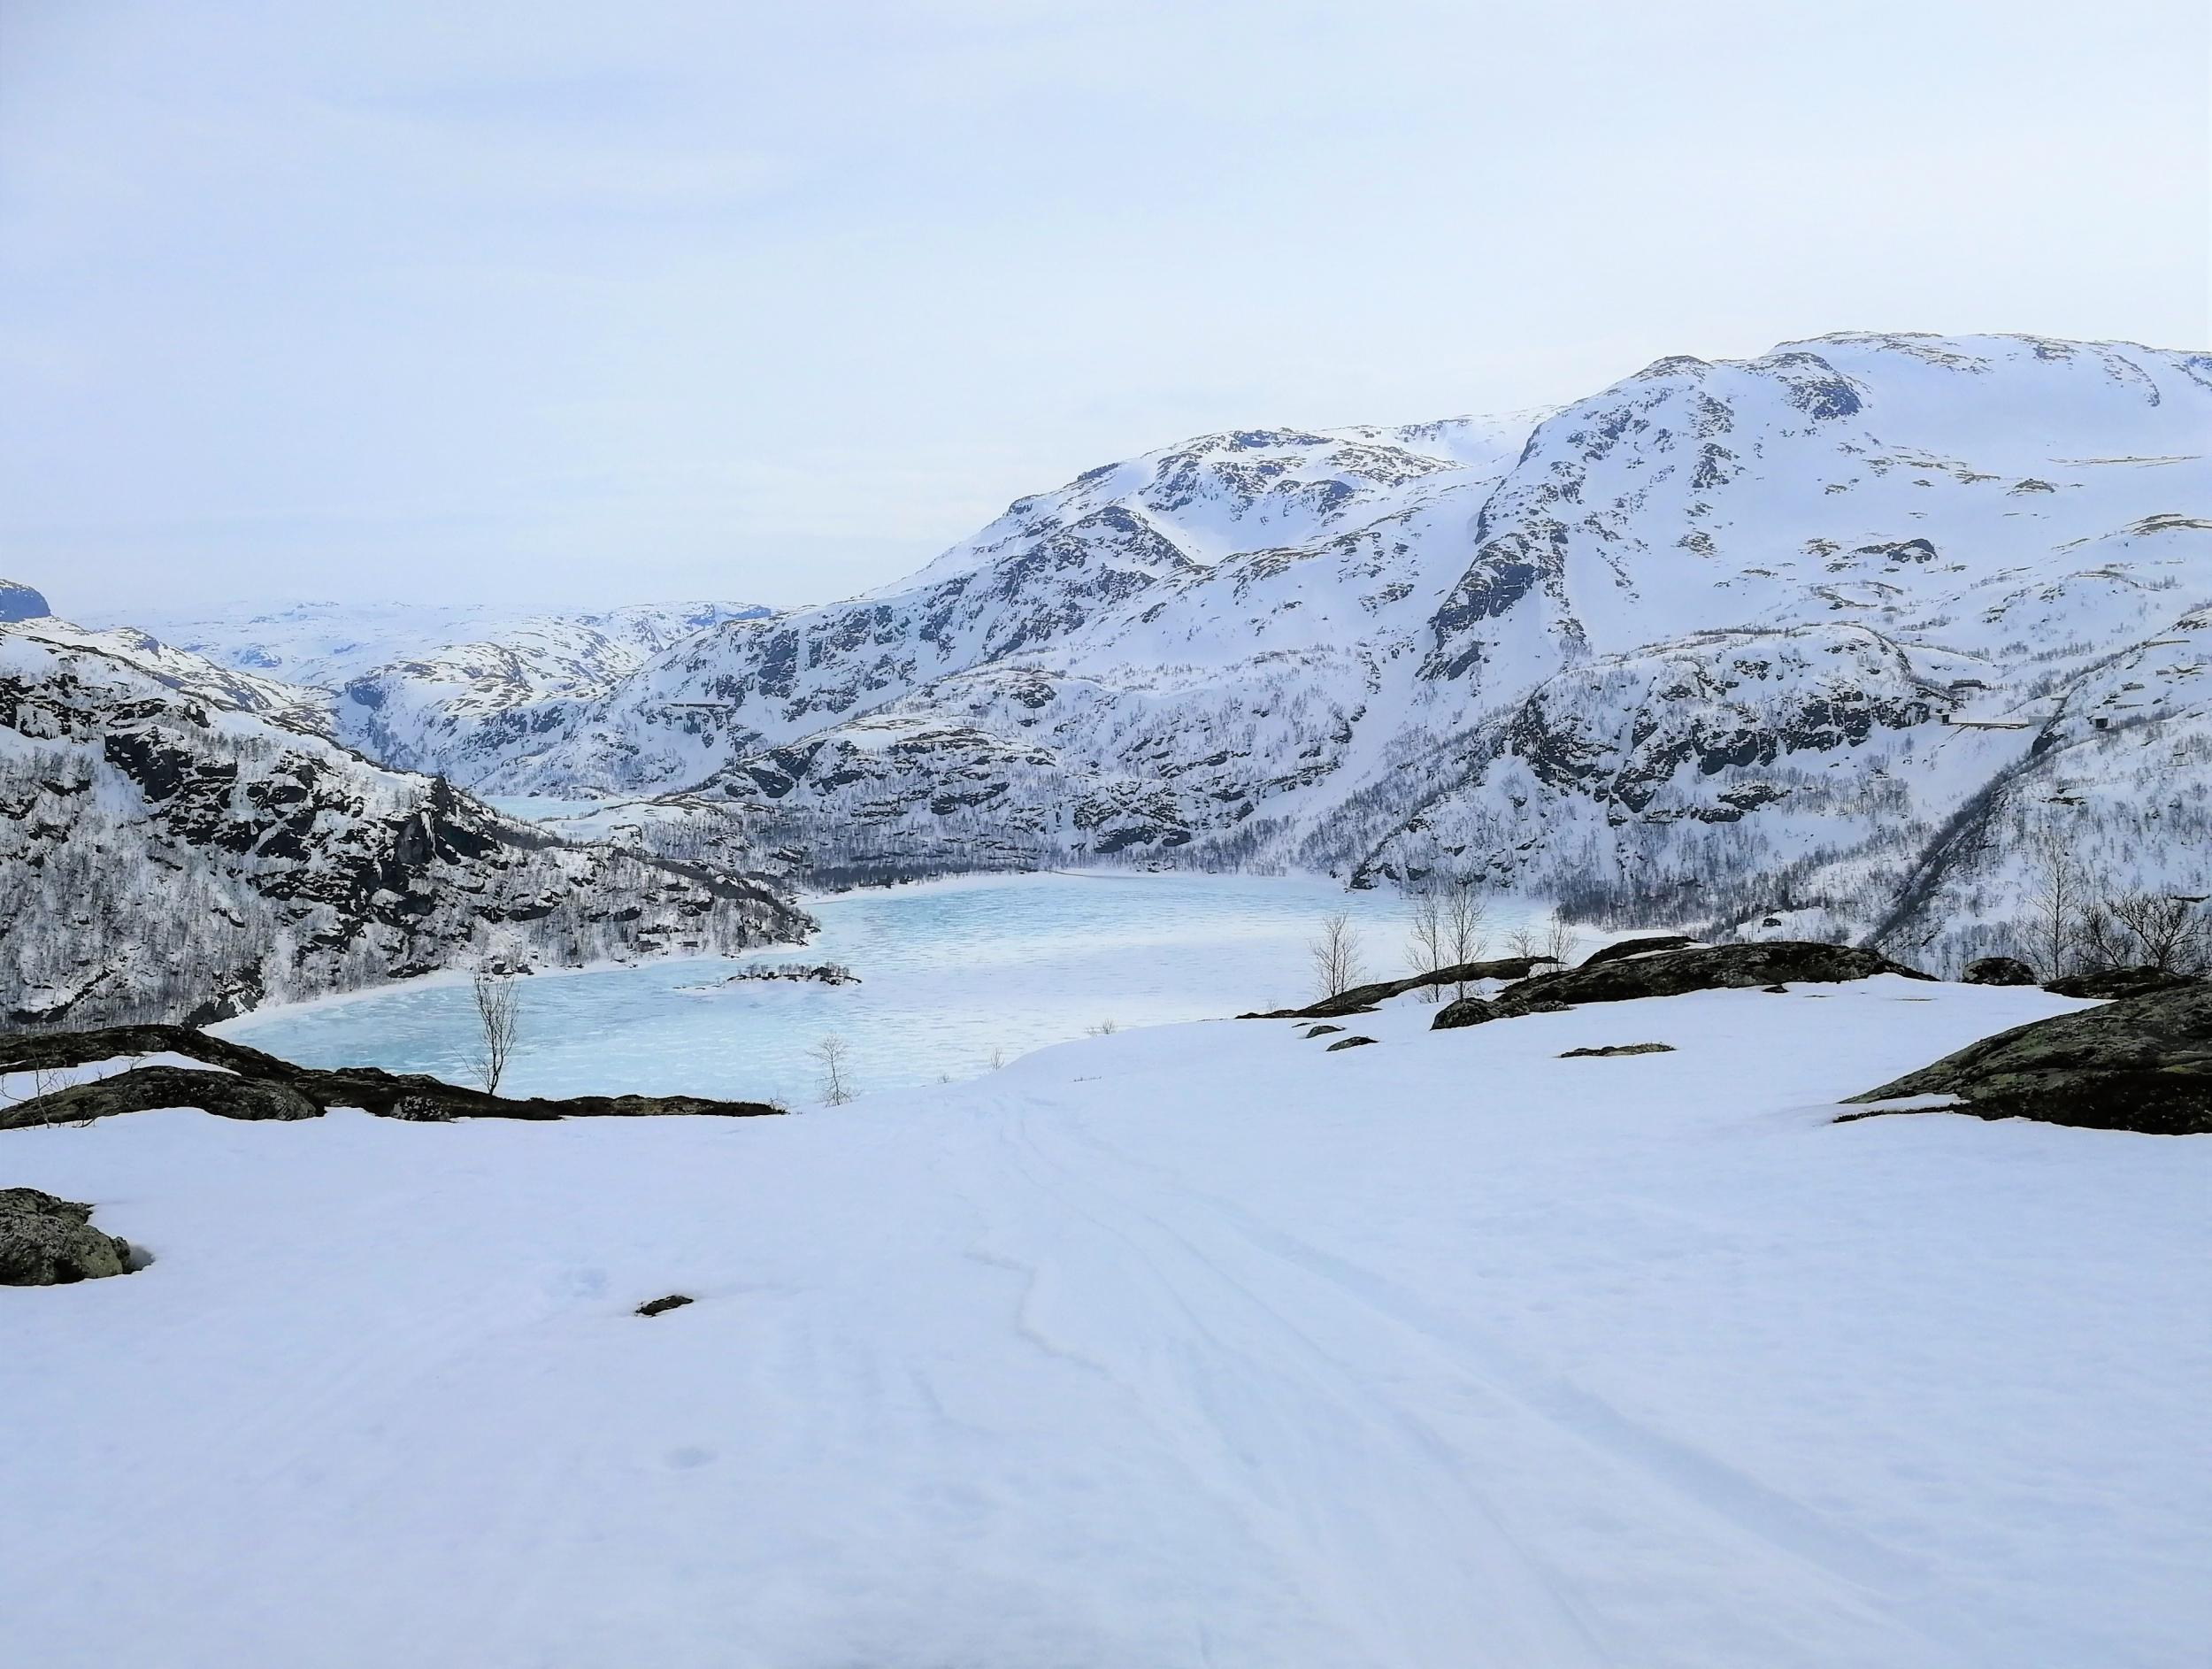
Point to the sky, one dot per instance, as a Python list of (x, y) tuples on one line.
[(578, 303)]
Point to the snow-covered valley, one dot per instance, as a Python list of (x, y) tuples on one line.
[(1189, 1345)]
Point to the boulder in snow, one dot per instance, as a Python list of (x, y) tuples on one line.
[(46, 1241), (2142, 1063)]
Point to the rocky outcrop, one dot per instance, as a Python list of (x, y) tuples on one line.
[(1610, 1050), (1998, 971), (1674, 973), (46, 1241), (1361, 998), (1627, 947), (252, 1085), (2108, 983), (2142, 1063)]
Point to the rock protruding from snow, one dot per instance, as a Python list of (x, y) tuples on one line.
[(255, 1086), (45, 1241), (1672, 973), (2144, 1063), (19, 601), (2108, 983), (1998, 971)]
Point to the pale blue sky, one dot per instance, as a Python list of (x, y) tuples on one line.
[(592, 303)]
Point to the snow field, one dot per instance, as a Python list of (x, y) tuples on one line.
[(1193, 1344)]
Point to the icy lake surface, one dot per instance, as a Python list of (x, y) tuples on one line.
[(953, 975)]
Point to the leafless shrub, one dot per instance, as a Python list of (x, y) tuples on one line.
[(2157, 930), (1335, 954), (832, 1059), (498, 1025)]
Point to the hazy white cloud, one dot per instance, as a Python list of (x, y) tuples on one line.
[(608, 303)]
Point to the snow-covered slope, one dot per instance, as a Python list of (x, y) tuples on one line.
[(1719, 624), (1189, 1347), (171, 847), (418, 686)]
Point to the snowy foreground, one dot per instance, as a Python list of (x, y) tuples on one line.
[(1192, 1345)]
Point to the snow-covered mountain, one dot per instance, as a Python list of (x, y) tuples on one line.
[(1822, 636), (173, 845), (417, 685), (1745, 637)]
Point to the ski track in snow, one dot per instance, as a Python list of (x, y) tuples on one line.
[(1189, 1345)]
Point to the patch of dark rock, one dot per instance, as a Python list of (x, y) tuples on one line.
[(1998, 971), (257, 1086), (45, 1241), (1618, 1049), (1637, 948), (1675, 973), (2139, 1063), (1322, 1031), (661, 1306), (1776, 990), (2121, 982), (1362, 998), (1353, 1042)]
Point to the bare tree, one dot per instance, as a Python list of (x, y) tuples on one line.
[(832, 1057), (1335, 954), (2053, 926), (1466, 927), (1424, 935), (498, 1025), (1105, 1028), (2157, 930), (1561, 941)]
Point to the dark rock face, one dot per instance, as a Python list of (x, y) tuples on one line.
[(1348, 1043), (2119, 983), (46, 1241), (1361, 998), (1998, 971), (1672, 973), (1321, 1031), (2141, 1062), (1618, 1049), (1637, 948), (661, 1306), (255, 1086), (20, 602)]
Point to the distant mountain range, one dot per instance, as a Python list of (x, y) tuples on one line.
[(1818, 639)]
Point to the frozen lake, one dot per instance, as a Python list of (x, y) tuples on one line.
[(953, 975)]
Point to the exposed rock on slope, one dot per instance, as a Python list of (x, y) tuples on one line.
[(254, 1086), (2141, 1063), (1671, 973), (1359, 998), (168, 852), (46, 1241)]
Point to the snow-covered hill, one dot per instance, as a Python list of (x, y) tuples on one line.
[(172, 844), (422, 687), (1193, 1347), (1742, 638)]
